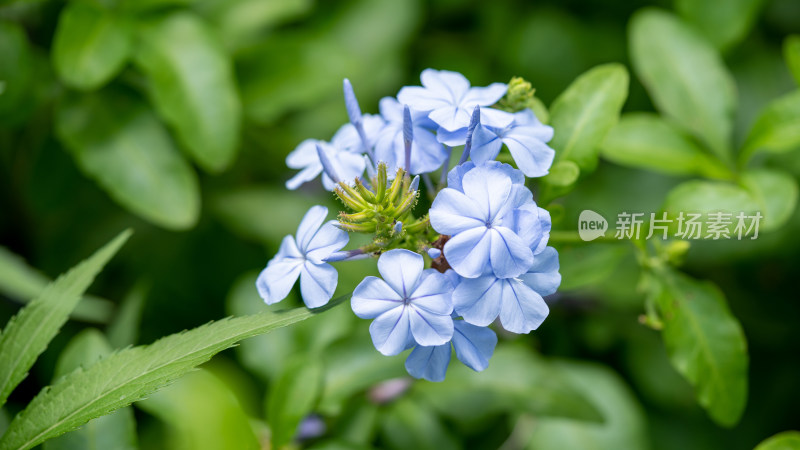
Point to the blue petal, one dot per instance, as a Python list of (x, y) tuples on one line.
[(489, 189), (468, 252), (474, 345), (309, 226), (496, 118), (526, 223), (347, 165), (484, 96), (373, 297), (543, 276), (326, 241), (423, 99), (275, 282), (451, 118), (456, 175), (304, 176), (532, 156), (391, 331), (452, 212), (522, 309), (288, 249), (304, 154), (401, 269), (477, 300), (317, 283), (485, 145), (433, 292), (429, 363), (445, 82), (429, 328), (546, 224), (510, 256), (453, 138)]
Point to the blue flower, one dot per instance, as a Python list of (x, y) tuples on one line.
[(525, 138), (517, 301), (449, 99), (474, 347), (409, 304), (305, 258), (427, 154), (479, 217)]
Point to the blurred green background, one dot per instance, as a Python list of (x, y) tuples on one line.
[(181, 130)]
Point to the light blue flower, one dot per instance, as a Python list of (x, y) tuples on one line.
[(305, 258), (479, 218), (517, 301), (427, 154), (487, 115), (409, 304), (449, 99), (474, 347), (525, 139)]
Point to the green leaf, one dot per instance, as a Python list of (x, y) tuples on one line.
[(586, 265), (131, 156), (115, 431), (685, 77), (203, 414), (244, 21), (91, 45), (644, 140), (192, 86), (408, 424), (124, 329), (791, 52), (777, 128), (625, 425), (516, 379), (723, 22), (293, 395), (132, 374), (17, 68), (22, 282), (776, 194), (27, 334), (563, 173), (707, 197), (705, 343), (582, 115), (787, 440)]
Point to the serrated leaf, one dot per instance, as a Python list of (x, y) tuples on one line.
[(132, 374), (17, 68), (776, 194), (777, 128), (517, 380), (685, 77), (192, 86), (116, 431), (644, 140), (705, 343), (22, 282), (787, 440), (91, 45), (131, 156), (791, 52), (202, 413), (29, 332), (625, 425), (723, 22), (293, 396), (582, 115)]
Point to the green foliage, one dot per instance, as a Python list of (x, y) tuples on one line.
[(17, 67), (293, 395), (723, 22), (116, 431), (704, 341), (787, 440), (644, 140), (582, 115), (28, 333), (409, 424), (91, 45), (131, 156), (791, 51), (191, 84), (777, 128), (124, 328), (685, 77)]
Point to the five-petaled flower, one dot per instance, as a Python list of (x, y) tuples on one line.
[(526, 139), (305, 258), (409, 304)]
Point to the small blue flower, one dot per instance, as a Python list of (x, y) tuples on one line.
[(449, 99), (305, 258), (427, 154), (479, 218), (526, 140), (517, 301), (409, 304), (474, 347)]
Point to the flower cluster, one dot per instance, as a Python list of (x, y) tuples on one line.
[(483, 238)]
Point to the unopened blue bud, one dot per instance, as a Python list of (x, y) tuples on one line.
[(434, 253), (408, 136), (398, 227), (473, 122), (414, 184), (327, 166)]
